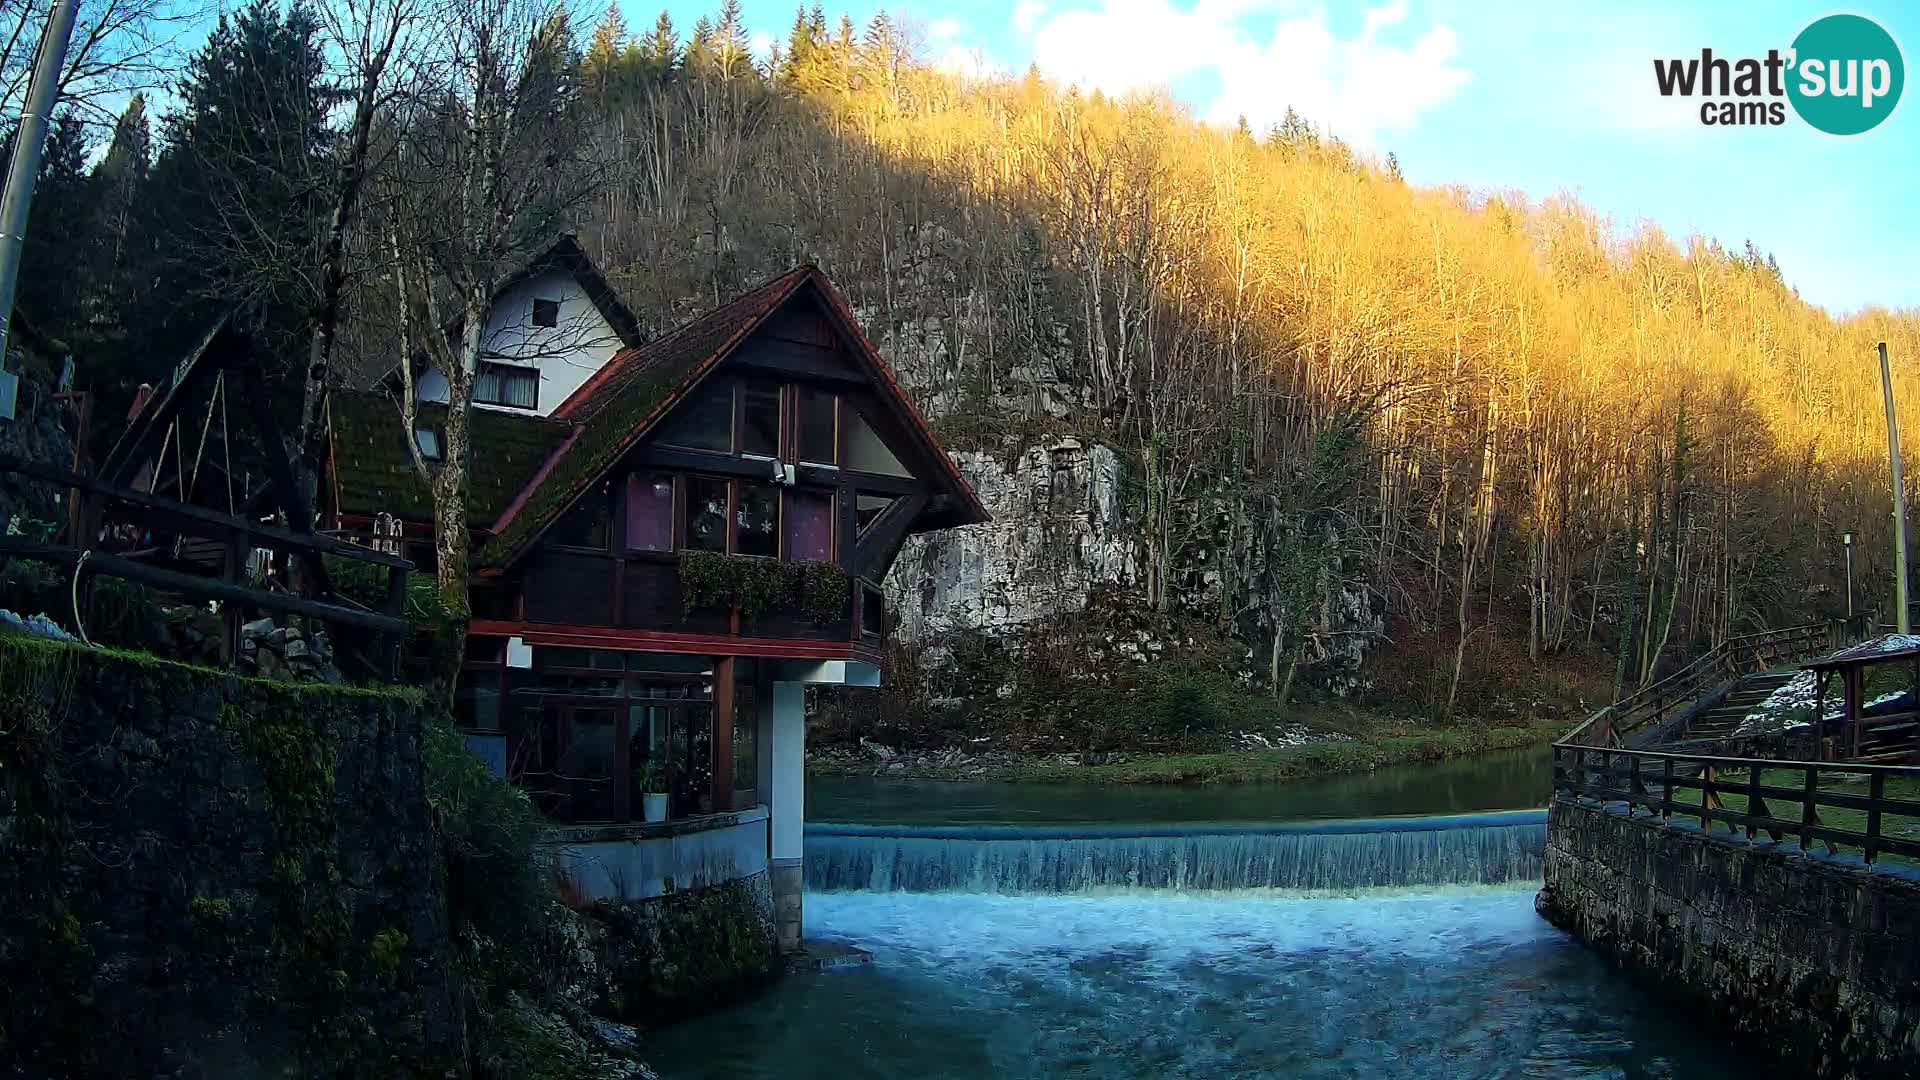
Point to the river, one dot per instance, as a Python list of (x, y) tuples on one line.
[(1058, 930)]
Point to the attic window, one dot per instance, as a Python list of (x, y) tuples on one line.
[(546, 312), (428, 440)]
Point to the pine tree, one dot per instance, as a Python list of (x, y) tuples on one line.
[(1393, 167), (730, 41), (660, 49), (53, 285), (701, 58), (240, 182), (802, 46), (603, 69)]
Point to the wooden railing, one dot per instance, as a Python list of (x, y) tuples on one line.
[(1748, 653), (1866, 808), (111, 510)]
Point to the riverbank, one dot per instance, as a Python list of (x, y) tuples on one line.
[(1330, 756)]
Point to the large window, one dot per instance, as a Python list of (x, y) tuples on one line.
[(586, 523), (760, 419), (704, 421), (809, 525), (819, 437), (649, 512), (706, 514), (758, 521), (505, 384)]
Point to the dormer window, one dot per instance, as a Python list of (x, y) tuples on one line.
[(546, 312), (505, 384), (428, 440)]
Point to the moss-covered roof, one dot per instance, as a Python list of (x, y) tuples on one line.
[(373, 469), (622, 401)]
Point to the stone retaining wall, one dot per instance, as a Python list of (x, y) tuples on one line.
[(1814, 958), (203, 875)]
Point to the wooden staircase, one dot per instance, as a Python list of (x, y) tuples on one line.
[(1724, 718)]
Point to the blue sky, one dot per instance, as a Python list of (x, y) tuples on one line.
[(1490, 96)]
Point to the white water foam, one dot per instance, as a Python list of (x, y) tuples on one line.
[(1461, 982)]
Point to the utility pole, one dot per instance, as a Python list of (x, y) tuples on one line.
[(29, 138), (1903, 622)]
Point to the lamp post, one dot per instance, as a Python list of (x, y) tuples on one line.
[(1846, 540)]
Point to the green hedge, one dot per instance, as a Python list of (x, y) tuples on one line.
[(708, 579)]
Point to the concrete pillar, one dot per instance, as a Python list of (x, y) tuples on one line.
[(786, 805)]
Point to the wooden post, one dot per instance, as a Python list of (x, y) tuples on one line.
[(231, 569), (1809, 817), (1666, 795), (722, 741), (1876, 790), (1706, 798), (392, 645)]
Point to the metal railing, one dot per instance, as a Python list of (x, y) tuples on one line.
[(1746, 654), (1779, 798)]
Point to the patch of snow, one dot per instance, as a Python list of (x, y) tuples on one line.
[(37, 625)]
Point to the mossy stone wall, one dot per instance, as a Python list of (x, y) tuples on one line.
[(1810, 959), (668, 956), (204, 875)]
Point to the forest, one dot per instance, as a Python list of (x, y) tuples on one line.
[(1493, 416)]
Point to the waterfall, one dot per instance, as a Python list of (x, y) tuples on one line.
[(1465, 849)]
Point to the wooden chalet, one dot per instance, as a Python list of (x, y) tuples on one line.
[(667, 551)]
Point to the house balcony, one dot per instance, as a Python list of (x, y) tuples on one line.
[(695, 602)]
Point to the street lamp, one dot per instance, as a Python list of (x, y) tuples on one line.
[(1846, 540)]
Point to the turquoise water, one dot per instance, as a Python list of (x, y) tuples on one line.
[(1446, 983), (1217, 932), (1503, 781)]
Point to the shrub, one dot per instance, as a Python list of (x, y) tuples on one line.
[(487, 829)]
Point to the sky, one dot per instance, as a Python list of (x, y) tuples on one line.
[(1537, 98)]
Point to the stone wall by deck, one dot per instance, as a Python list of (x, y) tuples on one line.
[(1814, 958), (659, 958), (204, 875)]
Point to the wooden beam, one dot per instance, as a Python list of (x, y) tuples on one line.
[(722, 741), (760, 469), (115, 566), (198, 515), (883, 538)]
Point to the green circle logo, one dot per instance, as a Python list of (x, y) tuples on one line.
[(1847, 74)]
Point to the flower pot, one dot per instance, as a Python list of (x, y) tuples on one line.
[(653, 807)]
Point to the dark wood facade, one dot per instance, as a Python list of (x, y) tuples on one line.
[(726, 497)]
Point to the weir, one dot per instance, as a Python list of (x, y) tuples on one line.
[(1463, 849)]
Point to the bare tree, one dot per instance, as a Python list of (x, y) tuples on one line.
[(375, 44), (118, 46), (486, 163)]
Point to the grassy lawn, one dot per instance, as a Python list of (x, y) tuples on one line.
[(1361, 754), (1899, 826)]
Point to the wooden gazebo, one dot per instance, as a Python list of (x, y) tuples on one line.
[(1886, 736)]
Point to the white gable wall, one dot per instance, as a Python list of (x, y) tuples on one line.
[(566, 354)]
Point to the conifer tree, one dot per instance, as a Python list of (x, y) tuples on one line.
[(660, 49)]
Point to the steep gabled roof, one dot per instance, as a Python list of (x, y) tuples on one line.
[(616, 408), (566, 254), (373, 469)]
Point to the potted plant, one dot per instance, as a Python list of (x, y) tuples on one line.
[(652, 780)]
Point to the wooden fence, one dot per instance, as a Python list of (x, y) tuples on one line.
[(1748, 653), (1779, 798), (229, 540)]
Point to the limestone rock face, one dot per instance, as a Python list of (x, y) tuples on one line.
[(1056, 536)]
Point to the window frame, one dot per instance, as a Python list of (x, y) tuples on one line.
[(607, 546), (516, 370), (533, 316)]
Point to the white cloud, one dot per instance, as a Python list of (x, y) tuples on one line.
[(1026, 15), (1357, 86)]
